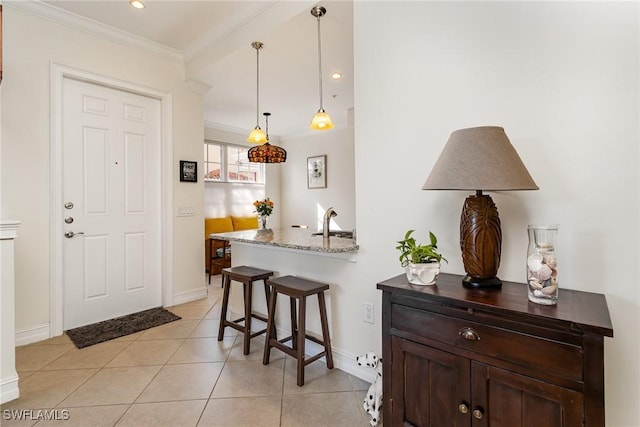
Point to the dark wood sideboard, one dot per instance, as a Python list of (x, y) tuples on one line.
[(462, 357)]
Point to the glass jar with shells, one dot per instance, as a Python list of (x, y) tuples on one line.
[(542, 264)]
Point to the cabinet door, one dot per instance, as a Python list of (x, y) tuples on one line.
[(428, 386), (506, 399)]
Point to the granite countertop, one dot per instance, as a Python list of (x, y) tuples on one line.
[(291, 238)]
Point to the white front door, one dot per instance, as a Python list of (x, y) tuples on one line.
[(112, 203)]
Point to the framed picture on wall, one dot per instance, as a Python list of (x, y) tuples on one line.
[(188, 171), (317, 172)]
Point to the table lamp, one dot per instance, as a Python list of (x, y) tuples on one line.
[(480, 159)]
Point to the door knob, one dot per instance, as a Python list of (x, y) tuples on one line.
[(70, 234)]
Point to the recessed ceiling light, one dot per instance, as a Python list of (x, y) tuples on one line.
[(336, 76), (137, 4)]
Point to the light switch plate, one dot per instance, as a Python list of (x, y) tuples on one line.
[(186, 211)]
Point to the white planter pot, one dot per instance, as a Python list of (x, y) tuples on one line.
[(422, 274)]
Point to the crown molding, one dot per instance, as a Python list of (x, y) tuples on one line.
[(218, 33), (225, 128), (77, 22)]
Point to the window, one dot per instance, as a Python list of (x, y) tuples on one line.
[(229, 163), (212, 162)]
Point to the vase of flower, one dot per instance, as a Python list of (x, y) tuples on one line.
[(264, 209)]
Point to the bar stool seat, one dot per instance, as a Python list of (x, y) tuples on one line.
[(298, 289), (245, 275)]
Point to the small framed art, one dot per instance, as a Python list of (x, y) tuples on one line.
[(188, 171), (317, 172)]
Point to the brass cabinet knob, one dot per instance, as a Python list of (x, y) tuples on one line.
[(463, 408), (478, 414), (469, 334)]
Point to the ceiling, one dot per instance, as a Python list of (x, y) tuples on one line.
[(214, 38)]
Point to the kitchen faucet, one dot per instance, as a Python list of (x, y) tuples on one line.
[(330, 213)]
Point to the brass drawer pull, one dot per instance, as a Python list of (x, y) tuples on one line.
[(463, 408), (469, 334)]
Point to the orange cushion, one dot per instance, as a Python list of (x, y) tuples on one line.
[(244, 222), (217, 225)]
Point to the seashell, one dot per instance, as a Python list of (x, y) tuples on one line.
[(534, 262), (543, 273), (549, 290), (538, 293), (533, 282), (551, 261)]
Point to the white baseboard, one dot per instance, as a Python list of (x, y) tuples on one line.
[(33, 334), (347, 362), (189, 296), (344, 361), (9, 389)]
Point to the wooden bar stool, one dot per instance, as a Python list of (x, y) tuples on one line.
[(246, 275), (297, 289)]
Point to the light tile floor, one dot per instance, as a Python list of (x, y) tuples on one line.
[(178, 374)]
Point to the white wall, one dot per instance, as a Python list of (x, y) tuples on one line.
[(307, 206), (562, 79), (30, 44)]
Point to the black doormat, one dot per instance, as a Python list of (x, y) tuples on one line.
[(85, 336)]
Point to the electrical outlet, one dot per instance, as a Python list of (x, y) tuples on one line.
[(367, 312)]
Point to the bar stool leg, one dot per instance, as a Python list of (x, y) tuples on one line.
[(226, 284), (302, 314), (325, 330), (294, 324), (270, 326), (267, 292), (248, 293)]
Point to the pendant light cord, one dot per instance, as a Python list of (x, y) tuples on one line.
[(258, 84), (320, 65)]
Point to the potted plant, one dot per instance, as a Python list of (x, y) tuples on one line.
[(421, 262)]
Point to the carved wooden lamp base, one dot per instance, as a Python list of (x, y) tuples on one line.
[(480, 241)]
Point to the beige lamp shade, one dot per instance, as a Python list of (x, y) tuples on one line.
[(480, 158)]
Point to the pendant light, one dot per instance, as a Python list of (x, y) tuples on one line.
[(321, 120), (267, 153), (257, 135)]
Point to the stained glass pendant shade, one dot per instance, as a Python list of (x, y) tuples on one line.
[(267, 153)]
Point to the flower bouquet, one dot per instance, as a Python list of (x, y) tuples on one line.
[(264, 209)]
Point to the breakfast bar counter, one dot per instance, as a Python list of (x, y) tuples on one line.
[(296, 252), (291, 238)]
